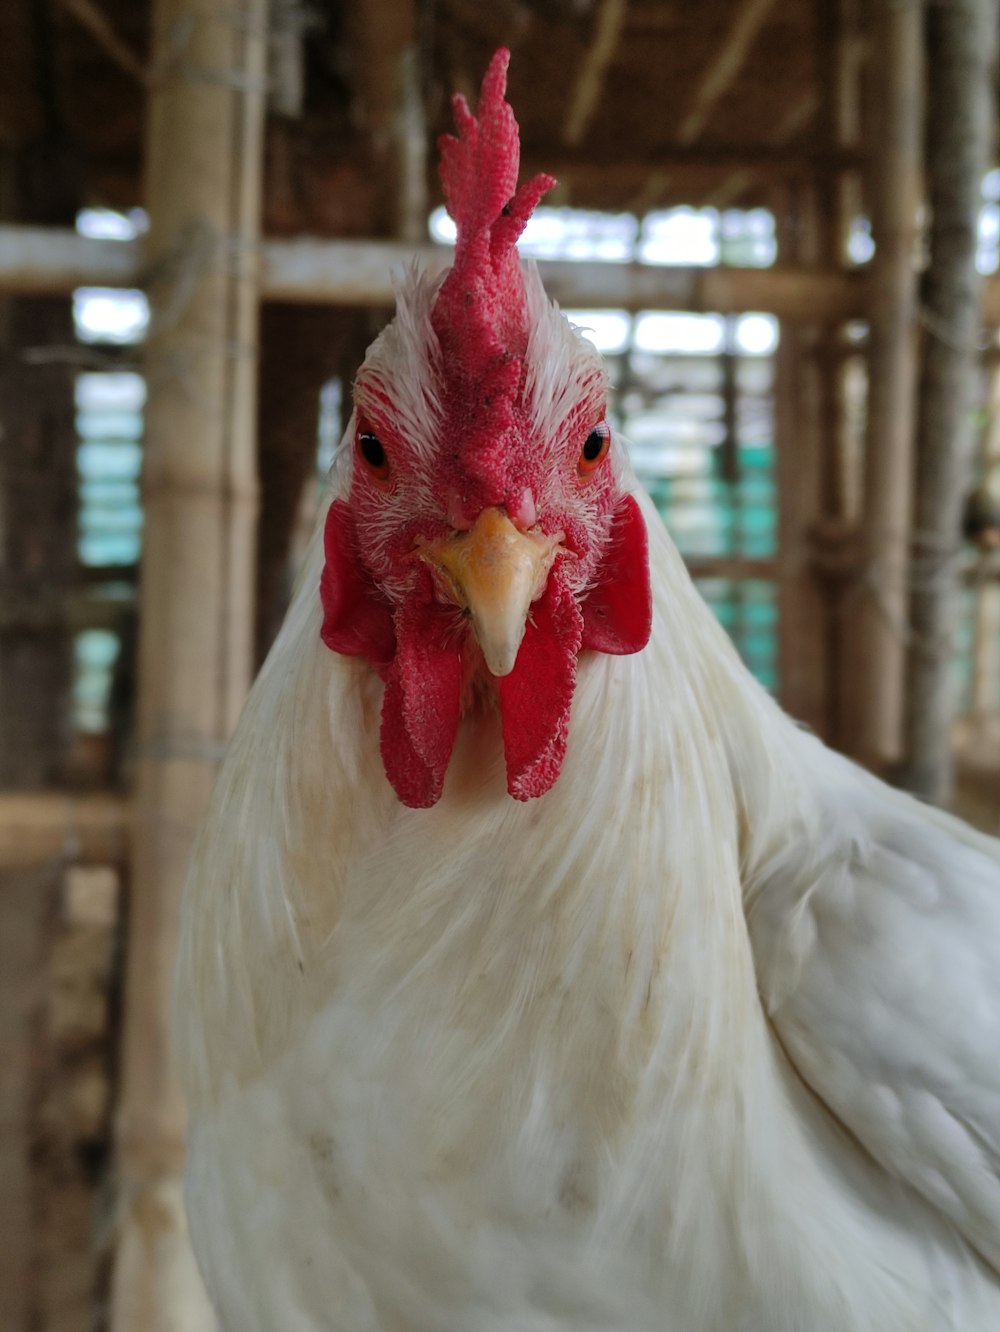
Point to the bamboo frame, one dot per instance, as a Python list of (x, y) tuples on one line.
[(961, 114), (204, 155)]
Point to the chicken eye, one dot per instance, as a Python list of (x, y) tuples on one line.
[(373, 455), (595, 449)]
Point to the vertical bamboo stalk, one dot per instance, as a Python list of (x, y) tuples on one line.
[(880, 617), (203, 146), (961, 111)]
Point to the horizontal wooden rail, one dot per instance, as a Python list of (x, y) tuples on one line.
[(44, 261), (46, 825)]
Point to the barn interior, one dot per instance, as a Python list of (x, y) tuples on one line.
[(780, 222)]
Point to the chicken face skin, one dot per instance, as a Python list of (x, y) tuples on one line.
[(484, 528)]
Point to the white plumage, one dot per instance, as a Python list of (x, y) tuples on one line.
[(706, 1039)]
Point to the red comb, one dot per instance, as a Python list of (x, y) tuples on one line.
[(479, 315)]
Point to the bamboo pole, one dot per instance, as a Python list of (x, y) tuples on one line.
[(879, 617), (204, 154), (961, 112)]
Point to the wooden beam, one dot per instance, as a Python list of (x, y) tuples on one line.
[(52, 261), (203, 163), (878, 625), (725, 66), (961, 111), (590, 81), (364, 273), (692, 163), (36, 827)]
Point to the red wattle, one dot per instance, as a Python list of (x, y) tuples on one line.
[(535, 699), (618, 612), (421, 708)]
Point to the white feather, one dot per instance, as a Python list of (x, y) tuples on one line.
[(704, 1039)]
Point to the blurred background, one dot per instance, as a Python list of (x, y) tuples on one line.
[(778, 221)]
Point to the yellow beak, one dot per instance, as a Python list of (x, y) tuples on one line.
[(494, 571)]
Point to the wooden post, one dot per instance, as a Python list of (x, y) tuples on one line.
[(204, 155), (878, 631), (386, 48), (803, 610), (960, 121), (300, 351), (27, 910)]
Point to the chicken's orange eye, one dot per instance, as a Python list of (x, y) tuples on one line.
[(595, 449), (373, 455)]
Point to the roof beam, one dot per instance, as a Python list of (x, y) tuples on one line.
[(743, 178), (722, 72), (587, 92)]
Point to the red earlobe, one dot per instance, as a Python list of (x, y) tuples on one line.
[(618, 613), (357, 619)]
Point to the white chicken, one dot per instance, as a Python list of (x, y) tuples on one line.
[(699, 1032)]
